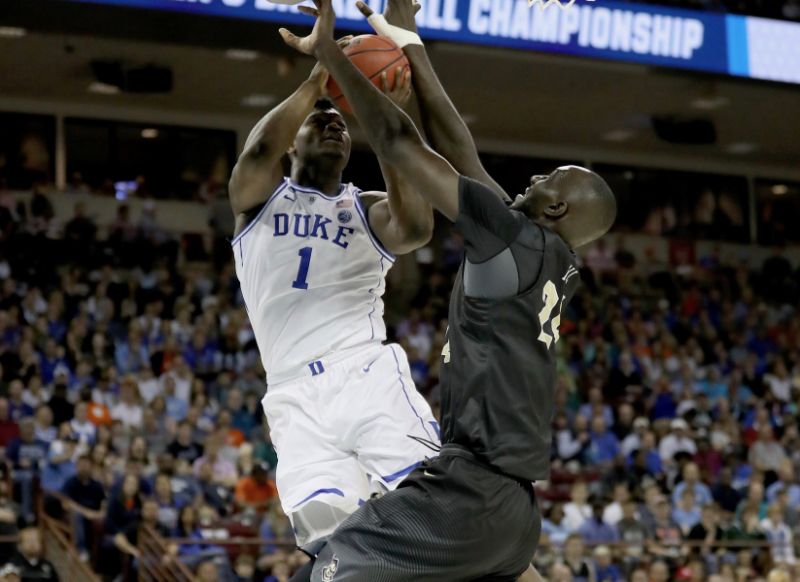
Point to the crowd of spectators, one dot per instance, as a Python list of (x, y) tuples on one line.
[(130, 388), (783, 9)]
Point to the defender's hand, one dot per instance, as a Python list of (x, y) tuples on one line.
[(321, 33), (401, 13), (402, 28), (401, 92)]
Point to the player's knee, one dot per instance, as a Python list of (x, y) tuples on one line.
[(316, 520)]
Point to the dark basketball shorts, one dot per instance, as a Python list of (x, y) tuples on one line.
[(452, 519)]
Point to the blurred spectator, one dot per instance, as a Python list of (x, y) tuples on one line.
[(84, 497), (9, 511), (594, 530), (124, 506), (554, 525), (27, 454), (605, 570), (677, 441), (183, 447), (577, 510), (581, 568), (9, 429), (255, 491), (30, 557), (766, 454), (126, 539), (779, 536)]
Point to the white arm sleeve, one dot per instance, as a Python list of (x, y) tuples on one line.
[(400, 36)]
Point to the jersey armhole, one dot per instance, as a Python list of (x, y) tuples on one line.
[(372, 236), (257, 217)]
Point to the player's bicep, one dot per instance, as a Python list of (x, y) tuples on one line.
[(254, 178)]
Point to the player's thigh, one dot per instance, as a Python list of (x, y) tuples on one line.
[(397, 429), (313, 472)]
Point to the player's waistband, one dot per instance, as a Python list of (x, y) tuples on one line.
[(320, 366), (456, 450)]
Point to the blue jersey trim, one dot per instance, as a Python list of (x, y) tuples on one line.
[(401, 472), (374, 302), (253, 222), (372, 236), (307, 190), (319, 492)]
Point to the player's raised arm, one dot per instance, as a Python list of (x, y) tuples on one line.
[(402, 219), (258, 171), (444, 127), (390, 132)]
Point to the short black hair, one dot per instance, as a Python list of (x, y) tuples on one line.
[(323, 104)]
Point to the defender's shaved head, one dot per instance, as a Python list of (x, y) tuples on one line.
[(574, 202)]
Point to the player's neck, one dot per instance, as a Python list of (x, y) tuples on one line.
[(326, 180)]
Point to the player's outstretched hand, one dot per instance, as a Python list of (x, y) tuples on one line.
[(322, 31), (401, 13), (401, 92)]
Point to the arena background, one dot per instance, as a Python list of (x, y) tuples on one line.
[(688, 309)]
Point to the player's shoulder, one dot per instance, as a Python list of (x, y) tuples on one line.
[(370, 197)]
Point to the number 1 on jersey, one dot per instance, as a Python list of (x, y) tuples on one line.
[(302, 272)]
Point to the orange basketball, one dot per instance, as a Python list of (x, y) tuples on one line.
[(372, 55)]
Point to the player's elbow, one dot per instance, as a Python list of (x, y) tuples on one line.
[(397, 139)]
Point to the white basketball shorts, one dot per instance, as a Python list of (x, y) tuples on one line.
[(348, 429)]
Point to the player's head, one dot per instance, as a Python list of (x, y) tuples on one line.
[(323, 139), (574, 202)]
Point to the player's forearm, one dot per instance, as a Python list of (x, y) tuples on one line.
[(444, 127), (277, 129), (385, 124), (446, 131), (411, 214)]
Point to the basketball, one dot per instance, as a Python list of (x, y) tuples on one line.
[(372, 55)]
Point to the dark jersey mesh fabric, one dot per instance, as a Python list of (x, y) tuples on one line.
[(499, 370), (452, 520)]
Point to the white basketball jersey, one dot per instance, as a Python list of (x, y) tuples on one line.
[(312, 276)]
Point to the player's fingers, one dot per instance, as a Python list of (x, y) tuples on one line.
[(344, 41), (308, 10), (385, 82), (288, 37), (399, 79), (365, 10)]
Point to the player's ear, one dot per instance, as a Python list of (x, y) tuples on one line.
[(556, 210)]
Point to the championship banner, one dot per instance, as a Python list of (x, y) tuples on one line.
[(603, 29)]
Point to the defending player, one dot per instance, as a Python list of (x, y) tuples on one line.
[(311, 255), (471, 513)]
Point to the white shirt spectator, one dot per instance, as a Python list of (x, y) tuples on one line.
[(612, 514), (781, 388), (576, 514), (183, 386), (128, 414), (85, 431), (630, 443), (672, 444), (780, 538), (149, 389)]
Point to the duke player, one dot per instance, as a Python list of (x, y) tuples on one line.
[(470, 513), (312, 255)]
